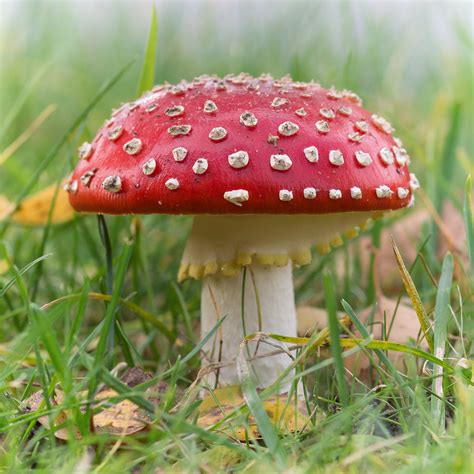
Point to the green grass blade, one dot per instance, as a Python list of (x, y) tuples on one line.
[(77, 323), (333, 325), (468, 220), (109, 320), (257, 409), (21, 272), (442, 311), (147, 74), (449, 150), (365, 334)]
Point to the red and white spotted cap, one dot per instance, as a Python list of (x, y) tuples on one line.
[(242, 145)]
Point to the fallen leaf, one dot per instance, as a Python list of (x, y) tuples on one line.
[(223, 401), (116, 418), (406, 233), (34, 210), (310, 319)]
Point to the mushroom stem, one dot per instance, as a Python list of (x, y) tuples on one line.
[(259, 298)]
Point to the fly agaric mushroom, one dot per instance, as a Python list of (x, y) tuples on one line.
[(268, 168)]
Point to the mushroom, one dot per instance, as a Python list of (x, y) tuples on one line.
[(267, 168)]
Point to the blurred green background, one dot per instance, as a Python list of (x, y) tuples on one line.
[(409, 61)]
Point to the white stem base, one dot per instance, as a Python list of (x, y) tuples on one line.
[(222, 295)]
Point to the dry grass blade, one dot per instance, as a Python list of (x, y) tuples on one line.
[(37, 122), (414, 297)]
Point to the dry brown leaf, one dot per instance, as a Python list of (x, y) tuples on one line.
[(37, 402), (116, 418), (310, 319), (406, 232), (223, 401)]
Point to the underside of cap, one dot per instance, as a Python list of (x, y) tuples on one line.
[(224, 244)]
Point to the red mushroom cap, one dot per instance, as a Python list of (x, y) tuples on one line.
[(241, 145)]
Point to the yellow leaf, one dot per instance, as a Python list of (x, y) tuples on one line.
[(287, 417), (34, 210)]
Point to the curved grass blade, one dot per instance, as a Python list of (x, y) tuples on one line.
[(134, 308), (147, 74), (257, 409), (333, 324), (21, 272)]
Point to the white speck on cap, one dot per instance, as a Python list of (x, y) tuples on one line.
[(386, 156), (174, 111), (335, 194), (210, 107), (356, 192), (172, 184), (414, 183), (333, 94), (177, 130), (87, 177), (217, 134), (363, 158), (401, 155), (133, 146), (285, 195), (248, 119), (327, 113), (288, 129), (311, 153), (115, 133), (344, 110), (301, 112), (310, 193), (362, 126), (280, 162), (85, 151), (179, 153), (382, 124), (237, 196), (402, 193), (71, 187), (239, 159), (383, 191), (322, 126), (355, 137), (112, 184), (279, 101), (200, 166), (150, 108), (149, 167), (336, 157)]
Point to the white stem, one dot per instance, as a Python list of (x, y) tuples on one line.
[(268, 290)]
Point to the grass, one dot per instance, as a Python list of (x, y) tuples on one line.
[(77, 302)]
